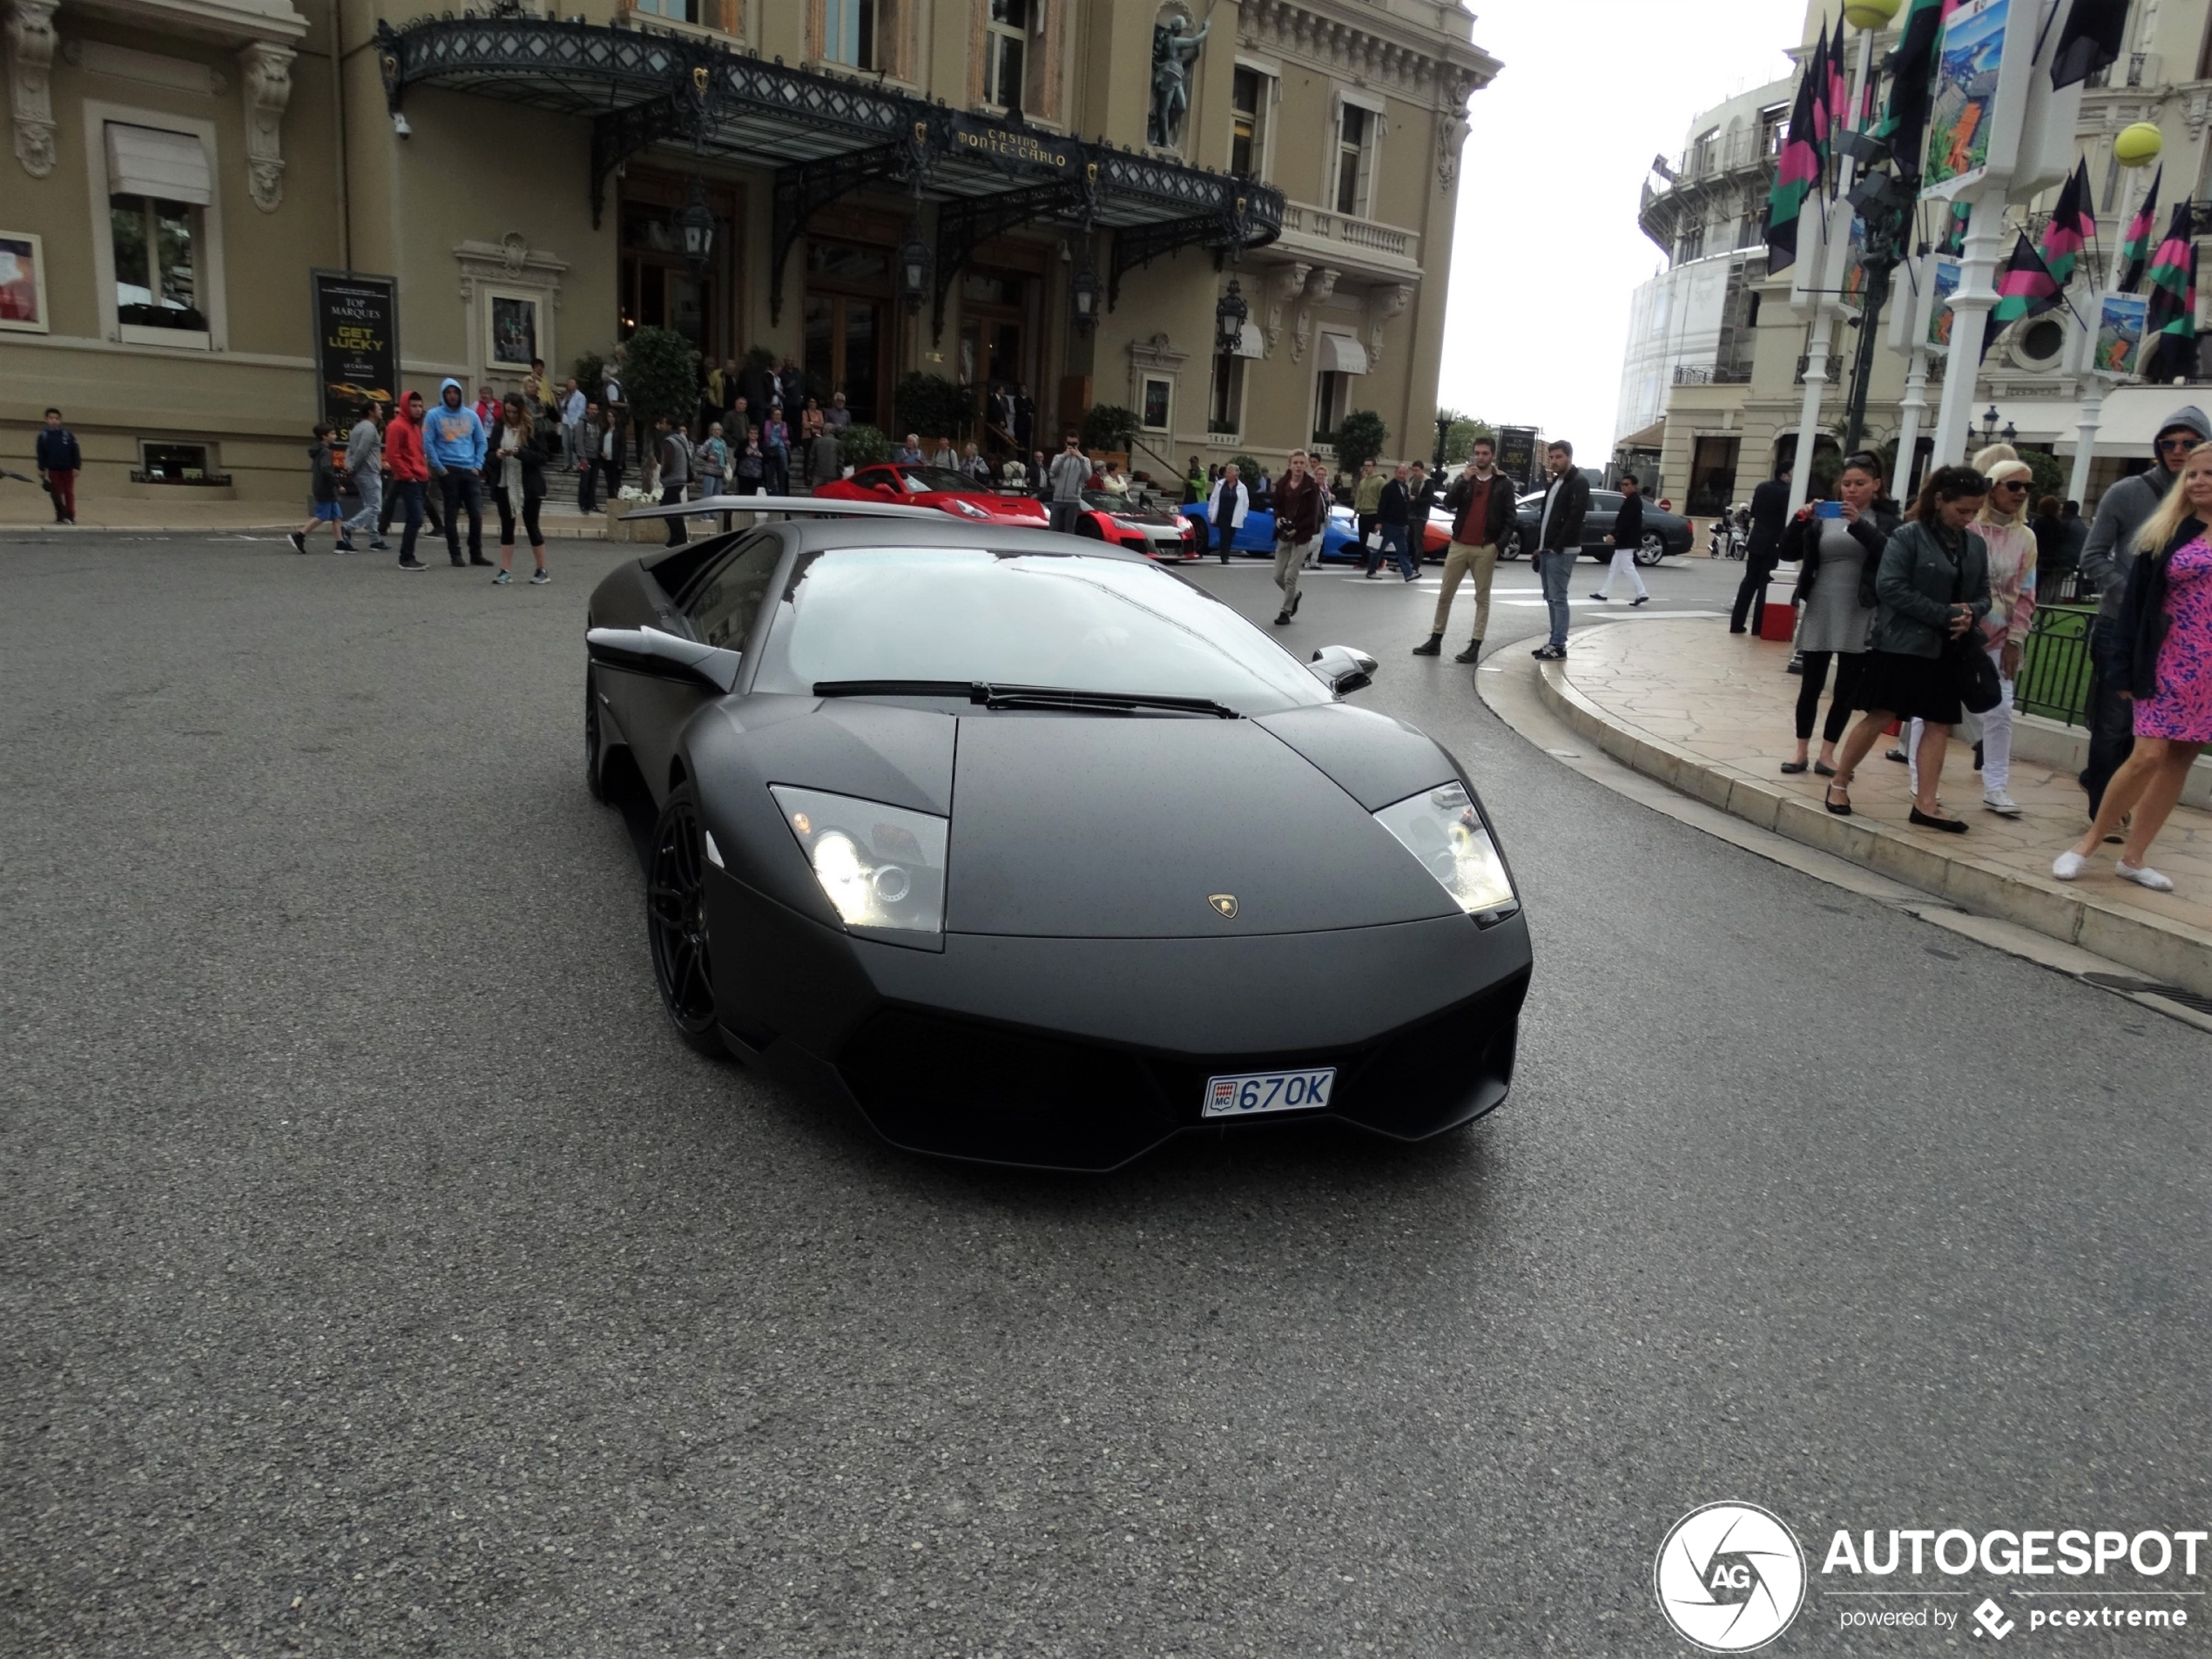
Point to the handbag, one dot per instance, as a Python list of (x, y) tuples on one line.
[(1974, 675)]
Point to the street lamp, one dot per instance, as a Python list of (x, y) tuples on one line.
[(1230, 314), (2010, 433), (1083, 292), (913, 267), (1443, 432), (695, 229), (1989, 426)]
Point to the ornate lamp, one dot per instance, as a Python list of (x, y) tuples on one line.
[(1083, 294), (1230, 315), (1989, 426), (1443, 432), (695, 229), (913, 267)]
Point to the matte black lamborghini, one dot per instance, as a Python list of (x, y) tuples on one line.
[(1037, 853)]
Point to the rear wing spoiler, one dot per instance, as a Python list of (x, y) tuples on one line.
[(789, 507)]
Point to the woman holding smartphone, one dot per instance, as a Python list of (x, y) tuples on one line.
[(1837, 545), (1932, 587), (2163, 653)]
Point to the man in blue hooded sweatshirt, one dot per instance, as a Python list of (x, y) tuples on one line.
[(453, 443)]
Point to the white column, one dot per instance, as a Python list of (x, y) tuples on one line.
[(1914, 405), (1970, 309), (2085, 442), (1824, 324)]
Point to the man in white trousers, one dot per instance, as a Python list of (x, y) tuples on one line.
[(1628, 535)]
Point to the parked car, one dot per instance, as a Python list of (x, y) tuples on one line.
[(1161, 532), (950, 492), (1664, 533)]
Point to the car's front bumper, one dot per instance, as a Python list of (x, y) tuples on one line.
[(1084, 1053)]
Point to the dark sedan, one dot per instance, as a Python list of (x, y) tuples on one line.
[(1665, 535), (1033, 853)]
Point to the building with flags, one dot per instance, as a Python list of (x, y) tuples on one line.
[(1721, 405), (223, 218)]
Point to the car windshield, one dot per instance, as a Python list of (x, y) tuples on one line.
[(1104, 502), (921, 480), (1082, 622)]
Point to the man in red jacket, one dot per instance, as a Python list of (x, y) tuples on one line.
[(1301, 513), (404, 460)]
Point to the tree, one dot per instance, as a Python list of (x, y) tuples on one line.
[(932, 407), (1248, 470), (660, 375), (1110, 426), (591, 372), (1461, 434), (1360, 439), (2046, 477), (862, 446)]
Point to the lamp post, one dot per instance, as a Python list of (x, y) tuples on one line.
[(695, 232), (913, 267), (1083, 294), (1443, 431), (1989, 426), (1230, 315)]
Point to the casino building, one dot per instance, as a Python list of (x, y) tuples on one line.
[(1074, 195)]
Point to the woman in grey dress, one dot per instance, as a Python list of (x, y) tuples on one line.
[(1838, 546)]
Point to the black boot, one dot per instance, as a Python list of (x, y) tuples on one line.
[(1434, 648), (1472, 652)]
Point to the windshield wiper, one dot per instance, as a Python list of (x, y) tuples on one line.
[(1028, 697), (1056, 696)]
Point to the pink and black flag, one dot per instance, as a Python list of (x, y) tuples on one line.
[(2074, 221), (2135, 247), (2169, 323), (2026, 287), (1838, 90), (2090, 40), (1796, 173)]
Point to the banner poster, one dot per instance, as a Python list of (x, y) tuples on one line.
[(1943, 282), (1853, 294), (1970, 58), (1517, 453), (2119, 334), (357, 342)]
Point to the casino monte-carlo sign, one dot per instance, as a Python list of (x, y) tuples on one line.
[(1013, 146)]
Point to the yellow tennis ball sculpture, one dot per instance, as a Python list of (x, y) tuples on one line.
[(1869, 14), (2138, 145)]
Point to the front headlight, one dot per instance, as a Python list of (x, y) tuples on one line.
[(1441, 828), (882, 869), (970, 509)]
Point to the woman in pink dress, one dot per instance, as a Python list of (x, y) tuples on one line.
[(2166, 651)]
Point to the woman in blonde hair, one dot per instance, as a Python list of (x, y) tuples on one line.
[(2163, 656)]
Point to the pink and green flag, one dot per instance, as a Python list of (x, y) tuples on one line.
[(2170, 325), (2026, 287), (2135, 246), (2074, 221), (1796, 173)]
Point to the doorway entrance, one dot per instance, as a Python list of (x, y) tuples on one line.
[(994, 344), (658, 287), (847, 326)]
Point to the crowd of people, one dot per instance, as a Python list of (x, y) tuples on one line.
[(1922, 618)]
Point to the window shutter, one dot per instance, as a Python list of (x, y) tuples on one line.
[(148, 161)]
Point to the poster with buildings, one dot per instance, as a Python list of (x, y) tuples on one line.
[(2119, 334), (1970, 56)]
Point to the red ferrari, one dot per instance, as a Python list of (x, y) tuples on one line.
[(939, 487)]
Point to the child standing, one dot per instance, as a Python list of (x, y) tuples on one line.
[(322, 491)]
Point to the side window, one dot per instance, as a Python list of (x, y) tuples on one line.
[(723, 611)]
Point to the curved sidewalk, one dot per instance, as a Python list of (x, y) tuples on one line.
[(1709, 713)]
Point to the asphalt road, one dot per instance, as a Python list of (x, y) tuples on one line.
[(380, 1276)]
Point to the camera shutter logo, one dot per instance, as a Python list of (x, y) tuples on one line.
[(1730, 1577)]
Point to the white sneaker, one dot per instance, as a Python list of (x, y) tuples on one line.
[(2068, 864), (2143, 876), (1998, 801)]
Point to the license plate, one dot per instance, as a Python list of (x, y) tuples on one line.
[(1254, 1092)]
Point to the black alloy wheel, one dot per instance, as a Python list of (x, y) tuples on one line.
[(592, 743), (676, 922), (1651, 550), (1510, 548)]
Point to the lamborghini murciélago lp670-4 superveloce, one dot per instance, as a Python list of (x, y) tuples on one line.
[(1037, 853)]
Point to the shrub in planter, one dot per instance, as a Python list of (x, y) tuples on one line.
[(1359, 440), (863, 446), (1108, 426), (660, 375), (932, 407)]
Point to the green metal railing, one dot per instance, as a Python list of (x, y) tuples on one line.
[(2054, 665)]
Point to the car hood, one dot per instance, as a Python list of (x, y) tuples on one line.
[(1129, 828), (1007, 507)]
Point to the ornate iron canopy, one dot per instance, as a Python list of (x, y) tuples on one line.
[(825, 136)]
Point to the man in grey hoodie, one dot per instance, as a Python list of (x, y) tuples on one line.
[(364, 465), (2126, 507)]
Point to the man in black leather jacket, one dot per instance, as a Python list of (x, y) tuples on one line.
[(1558, 539), (1769, 512)]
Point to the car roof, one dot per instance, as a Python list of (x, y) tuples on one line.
[(824, 534)]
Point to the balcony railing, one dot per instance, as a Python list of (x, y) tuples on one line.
[(2140, 68), (1835, 366), (1712, 374), (1301, 220), (1727, 153)]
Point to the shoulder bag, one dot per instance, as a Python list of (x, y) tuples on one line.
[(1975, 676)]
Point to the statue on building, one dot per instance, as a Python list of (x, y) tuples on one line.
[(1173, 54)]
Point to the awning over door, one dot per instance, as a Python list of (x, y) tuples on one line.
[(148, 161), (1342, 354), (1250, 342)]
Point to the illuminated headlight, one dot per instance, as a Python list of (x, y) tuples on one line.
[(1441, 828), (970, 509), (880, 867)]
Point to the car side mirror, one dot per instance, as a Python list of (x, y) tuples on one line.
[(1344, 669), (664, 657), (888, 491)]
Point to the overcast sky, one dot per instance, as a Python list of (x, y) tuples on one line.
[(1548, 251)]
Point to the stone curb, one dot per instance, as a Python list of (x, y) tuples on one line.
[(2170, 951)]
